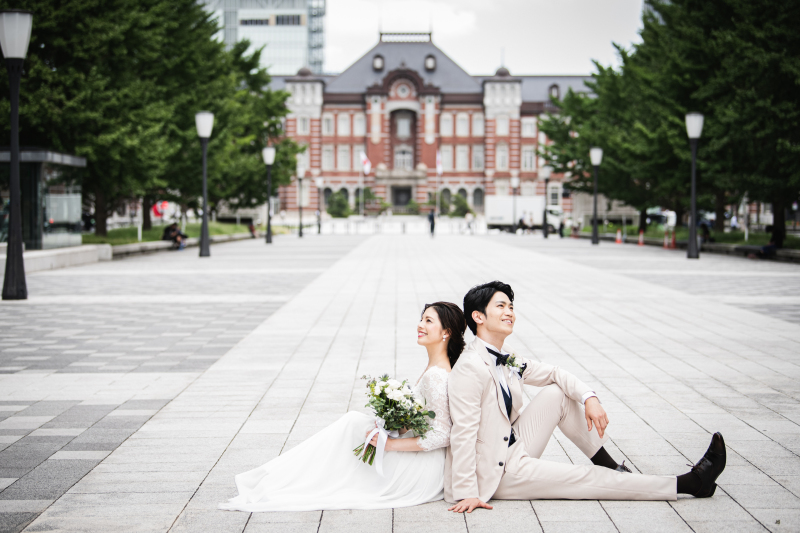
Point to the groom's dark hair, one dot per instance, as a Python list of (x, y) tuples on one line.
[(479, 296)]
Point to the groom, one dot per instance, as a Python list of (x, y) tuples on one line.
[(495, 448)]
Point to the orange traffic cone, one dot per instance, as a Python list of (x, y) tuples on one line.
[(619, 236), (641, 237), (673, 245)]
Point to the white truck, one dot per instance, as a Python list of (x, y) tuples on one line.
[(499, 212)]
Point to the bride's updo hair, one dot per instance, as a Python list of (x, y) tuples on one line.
[(453, 321)]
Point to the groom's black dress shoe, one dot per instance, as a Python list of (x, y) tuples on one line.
[(622, 468), (710, 467)]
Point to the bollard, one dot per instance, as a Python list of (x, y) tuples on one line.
[(641, 237), (673, 245), (404, 227)]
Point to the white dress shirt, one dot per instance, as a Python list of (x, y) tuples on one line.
[(501, 377)]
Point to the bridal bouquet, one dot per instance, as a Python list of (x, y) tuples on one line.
[(396, 408)]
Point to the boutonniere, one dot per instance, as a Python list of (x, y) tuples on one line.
[(514, 367)]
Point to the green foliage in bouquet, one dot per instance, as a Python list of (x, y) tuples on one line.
[(394, 402)]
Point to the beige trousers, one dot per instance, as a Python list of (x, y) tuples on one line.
[(527, 477)]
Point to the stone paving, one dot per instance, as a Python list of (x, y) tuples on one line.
[(131, 335), (671, 360)]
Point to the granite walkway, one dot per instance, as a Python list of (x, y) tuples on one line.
[(670, 365)]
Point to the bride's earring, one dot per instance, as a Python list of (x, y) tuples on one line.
[(444, 338)]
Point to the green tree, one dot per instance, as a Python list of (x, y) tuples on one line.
[(460, 207), (338, 206)]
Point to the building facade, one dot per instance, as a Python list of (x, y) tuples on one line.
[(292, 32), (403, 102)]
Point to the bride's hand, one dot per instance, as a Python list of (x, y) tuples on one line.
[(374, 438)]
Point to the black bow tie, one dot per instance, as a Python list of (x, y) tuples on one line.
[(500, 358)]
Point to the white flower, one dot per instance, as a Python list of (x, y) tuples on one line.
[(395, 395), (419, 404), (394, 384), (406, 403), (381, 385)]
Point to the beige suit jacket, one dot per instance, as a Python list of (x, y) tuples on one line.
[(478, 452)]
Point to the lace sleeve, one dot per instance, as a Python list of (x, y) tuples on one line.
[(433, 388)]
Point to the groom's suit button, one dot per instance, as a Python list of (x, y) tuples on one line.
[(505, 438), (501, 463)]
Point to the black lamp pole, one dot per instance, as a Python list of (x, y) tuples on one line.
[(545, 229), (691, 250), (595, 235), (15, 34), (269, 204), (300, 203), (14, 286), (205, 250), (694, 128)]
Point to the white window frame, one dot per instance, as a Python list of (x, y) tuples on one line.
[(478, 157), (554, 190), (359, 125), (446, 125), (343, 125), (327, 157), (502, 125), (303, 158), (462, 125), (357, 149), (447, 157), (462, 157), (303, 125), (477, 125), (528, 127), (328, 125), (529, 155), (343, 157), (501, 156)]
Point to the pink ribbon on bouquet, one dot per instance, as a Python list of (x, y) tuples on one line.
[(383, 436)]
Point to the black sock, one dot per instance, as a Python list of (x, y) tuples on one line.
[(689, 483), (601, 458)]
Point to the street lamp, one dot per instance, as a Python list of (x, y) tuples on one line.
[(596, 155), (545, 172), (204, 120), (514, 185), (319, 182), (268, 154), (694, 128), (15, 34), (301, 172)]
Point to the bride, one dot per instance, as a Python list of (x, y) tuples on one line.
[(322, 473)]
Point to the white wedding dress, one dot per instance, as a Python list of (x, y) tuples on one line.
[(322, 473)]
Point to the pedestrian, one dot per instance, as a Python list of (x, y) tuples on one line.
[(432, 220), (561, 229), (469, 218)]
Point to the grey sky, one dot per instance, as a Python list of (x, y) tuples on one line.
[(538, 36)]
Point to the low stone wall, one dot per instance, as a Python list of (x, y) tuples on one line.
[(39, 260), (137, 248), (715, 248)]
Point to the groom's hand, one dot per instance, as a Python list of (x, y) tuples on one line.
[(468, 505), (596, 414)]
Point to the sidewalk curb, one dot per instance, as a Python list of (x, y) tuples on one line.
[(714, 248), (138, 248)]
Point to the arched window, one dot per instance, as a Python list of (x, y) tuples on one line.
[(446, 195), (327, 195), (477, 198), (462, 193), (345, 193)]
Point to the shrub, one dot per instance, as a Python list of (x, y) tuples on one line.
[(338, 206), (460, 206)]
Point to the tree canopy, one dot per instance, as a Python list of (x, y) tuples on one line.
[(735, 61), (119, 82)]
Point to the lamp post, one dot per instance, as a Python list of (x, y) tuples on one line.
[(15, 34), (694, 128), (596, 155), (319, 182), (514, 185), (268, 154), (545, 172), (301, 172), (204, 120)]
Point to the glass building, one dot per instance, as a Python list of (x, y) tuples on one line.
[(292, 32)]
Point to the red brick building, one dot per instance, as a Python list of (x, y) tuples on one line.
[(403, 101)]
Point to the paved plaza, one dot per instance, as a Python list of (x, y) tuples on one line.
[(133, 391)]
